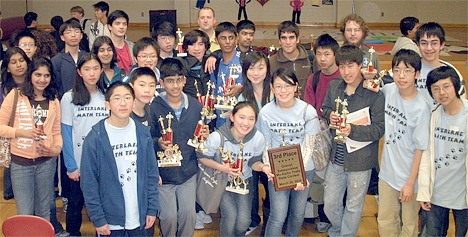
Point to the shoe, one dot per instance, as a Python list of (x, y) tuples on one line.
[(251, 229), (65, 204), (8, 197), (205, 217), (323, 227), (62, 233), (199, 222)]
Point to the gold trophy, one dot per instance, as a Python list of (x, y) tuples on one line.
[(337, 111), (198, 138), (180, 48), (227, 103), (172, 156), (236, 183), (374, 84), (342, 123)]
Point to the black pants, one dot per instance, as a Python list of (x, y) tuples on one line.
[(242, 9), (296, 17), (75, 206)]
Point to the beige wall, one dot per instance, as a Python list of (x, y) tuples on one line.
[(274, 11)]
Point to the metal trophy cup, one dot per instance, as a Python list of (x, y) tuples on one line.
[(172, 156), (180, 49), (198, 138), (344, 112), (337, 111), (370, 66), (374, 84), (236, 183)]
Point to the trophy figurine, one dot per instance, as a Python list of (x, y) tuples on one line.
[(283, 132), (370, 66), (169, 132), (180, 48), (210, 101), (374, 84), (337, 111), (342, 123), (236, 183), (171, 156), (198, 138), (227, 103)]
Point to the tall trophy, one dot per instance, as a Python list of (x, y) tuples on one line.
[(374, 84), (207, 100), (370, 66), (172, 156), (180, 49), (198, 138), (342, 123), (334, 125), (227, 103), (236, 183)]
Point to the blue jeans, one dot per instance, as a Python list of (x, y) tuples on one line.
[(438, 221), (32, 186), (288, 203), (7, 188), (235, 212), (345, 221)]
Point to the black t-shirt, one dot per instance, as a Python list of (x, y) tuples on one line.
[(40, 110)]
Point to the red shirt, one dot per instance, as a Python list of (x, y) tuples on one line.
[(316, 98), (124, 58)]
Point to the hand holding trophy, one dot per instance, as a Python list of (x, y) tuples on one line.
[(340, 138), (171, 156)]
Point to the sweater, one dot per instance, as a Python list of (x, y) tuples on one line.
[(65, 71)]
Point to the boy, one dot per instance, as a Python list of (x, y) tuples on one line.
[(99, 27), (347, 171), (64, 62), (407, 117), (77, 12), (292, 54), (245, 34), (119, 175), (117, 24), (165, 35), (143, 81), (430, 38), (317, 84), (443, 171), (408, 27), (176, 194), (26, 41)]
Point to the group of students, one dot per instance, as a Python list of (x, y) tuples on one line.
[(103, 118)]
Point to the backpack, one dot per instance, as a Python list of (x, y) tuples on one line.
[(315, 80)]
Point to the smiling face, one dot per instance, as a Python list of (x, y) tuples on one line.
[(257, 72), (197, 49), (121, 103), (90, 71), (173, 85), (40, 80), (430, 48), (405, 76), (243, 122), (351, 73), (105, 54), (148, 57), (144, 87), (17, 65), (288, 42), (284, 92)]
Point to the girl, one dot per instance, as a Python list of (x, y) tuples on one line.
[(13, 74), (256, 68), (298, 121), (36, 138), (82, 107), (104, 49), (244, 141)]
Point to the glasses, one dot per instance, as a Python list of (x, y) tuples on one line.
[(407, 72), (150, 56), (170, 81), (286, 87), (166, 38), (437, 89), (434, 44), (119, 99), (353, 30), (70, 32), (23, 45)]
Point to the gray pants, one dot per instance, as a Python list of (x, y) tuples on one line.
[(177, 202)]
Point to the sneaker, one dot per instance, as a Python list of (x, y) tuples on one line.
[(65, 204), (206, 218), (251, 229), (323, 227), (199, 222), (62, 233)]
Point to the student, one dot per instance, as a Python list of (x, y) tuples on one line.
[(99, 27), (165, 35), (120, 175), (176, 194), (407, 117), (245, 37), (196, 43), (117, 23), (408, 27), (82, 107), (299, 120), (65, 61), (36, 140), (56, 22), (430, 38), (30, 20), (143, 82), (104, 49), (27, 42), (443, 171), (242, 139), (291, 54), (347, 171), (257, 90), (78, 13), (206, 23), (317, 85)]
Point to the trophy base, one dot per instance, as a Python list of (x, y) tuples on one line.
[(193, 143), (225, 114), (239, 190), (333, 126), (169, 163), (181, 54), (224, 107), (339, 139), (211, 116)]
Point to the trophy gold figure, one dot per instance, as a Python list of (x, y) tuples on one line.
[(227, 103), (198, 138), (342, 123), (337, 111), (172, 156), (236, 183), (370, 66), (374, 84), (180, 48)]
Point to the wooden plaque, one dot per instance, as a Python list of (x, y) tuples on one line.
[(287, 166)]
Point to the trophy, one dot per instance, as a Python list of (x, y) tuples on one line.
[(198, 138), (227, 103), (370, 66), (337, 111), (236, 183), (180, 49), (170, 157), (283, 143), (342, 123), (374, 84), (208, 100)]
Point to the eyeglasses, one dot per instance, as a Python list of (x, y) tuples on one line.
[(27, 44), (119, 99), (434, 44), (166, 38), (353, 30), (70, 32), (406, 72), (171, 81), (437, 89), (286, 87), (150, 56)]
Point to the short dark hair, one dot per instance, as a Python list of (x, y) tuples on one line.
[(431, 29), (288, 27), (192, 37), (442, 73), (70, 23), (114, 85), (56, 22), (144, 42), (100, 40), (115, 15), (245, 25), (27, 88), (225, 26), (407, 24), (349, 54), (23, 34), (408, 57), (171, 67), (29, 18), (103, 6), (325, 41), (164, 28), (141, 71)]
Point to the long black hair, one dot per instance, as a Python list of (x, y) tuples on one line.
[(27, 89), (6, 80), (81, 95), (250, 60)]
